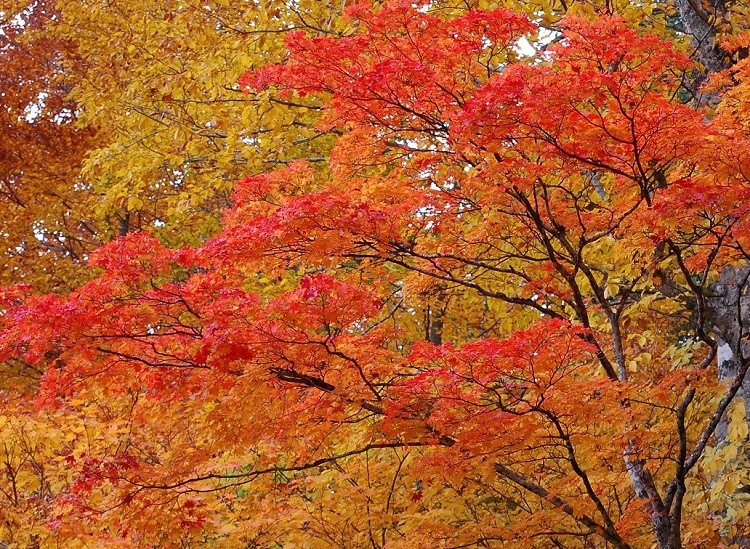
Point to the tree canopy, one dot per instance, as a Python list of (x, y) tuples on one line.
[(481, 281)]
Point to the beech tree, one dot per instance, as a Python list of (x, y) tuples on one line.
[(101, 139), (509, 309), (159, 83)]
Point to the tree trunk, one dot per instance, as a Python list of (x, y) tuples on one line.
[(698, 23), (729, 315)]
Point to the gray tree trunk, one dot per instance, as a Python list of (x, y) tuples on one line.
[(729, 315), (698, 23)]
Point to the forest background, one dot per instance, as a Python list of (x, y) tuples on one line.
[(455, 273)]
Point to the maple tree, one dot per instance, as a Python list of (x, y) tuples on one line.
[(559, 216), (68, 187)]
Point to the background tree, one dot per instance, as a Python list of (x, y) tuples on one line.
[(42, 151)]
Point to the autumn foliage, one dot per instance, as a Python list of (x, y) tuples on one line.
[(508, 310)]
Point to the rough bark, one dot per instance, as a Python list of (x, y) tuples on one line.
[(698, 20), (729, 310)]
